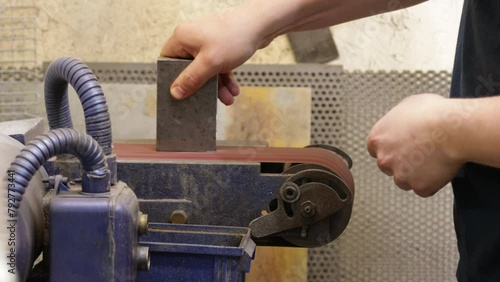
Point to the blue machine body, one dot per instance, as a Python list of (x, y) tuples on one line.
[(182, 252), (94, 235), (101, 230)]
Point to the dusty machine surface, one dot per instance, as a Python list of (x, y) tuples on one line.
[(183, 209)]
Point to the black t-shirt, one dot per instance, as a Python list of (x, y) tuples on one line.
[(477, 187)]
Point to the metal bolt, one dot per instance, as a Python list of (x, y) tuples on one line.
[(308, 209), (143, 223), (290, 193), (178, 217), (303, 232), (143, 258)]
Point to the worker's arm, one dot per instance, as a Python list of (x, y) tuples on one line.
[(425, 140), (223, 41), (314, 14)]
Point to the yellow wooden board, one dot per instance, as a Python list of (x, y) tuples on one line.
[(282, 118), (273, 264), (279, 115)]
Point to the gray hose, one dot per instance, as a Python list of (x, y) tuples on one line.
[(60, 141), (97, 121)]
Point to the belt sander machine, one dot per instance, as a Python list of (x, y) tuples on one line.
[(183, 209)]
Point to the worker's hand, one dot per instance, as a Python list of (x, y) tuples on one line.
[(415, 143), (219, 43)]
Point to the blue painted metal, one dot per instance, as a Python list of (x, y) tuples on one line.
[(94, 237), (211, 193), (197, 253)]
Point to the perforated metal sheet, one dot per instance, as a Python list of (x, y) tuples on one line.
[(325, 82), (18, 45), (393, 235)]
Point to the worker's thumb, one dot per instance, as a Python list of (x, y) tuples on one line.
[(192, 78)]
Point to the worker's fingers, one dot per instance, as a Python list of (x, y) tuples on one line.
[(194, 76), (402, 183), (385, 166), (173, 47), (371, 144), (228, 80), (170, 49), (225, 95)]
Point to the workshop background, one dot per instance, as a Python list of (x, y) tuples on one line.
[(393, 235)]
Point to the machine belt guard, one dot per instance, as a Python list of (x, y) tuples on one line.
[(312, 207)]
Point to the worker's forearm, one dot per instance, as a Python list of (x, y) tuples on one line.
[(278, 17), (474, 129)]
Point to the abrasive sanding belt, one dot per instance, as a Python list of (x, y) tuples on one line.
[(317, 156)]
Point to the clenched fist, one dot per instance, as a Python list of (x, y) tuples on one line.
[(416, 143)]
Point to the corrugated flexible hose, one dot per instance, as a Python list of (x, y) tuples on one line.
[(55, 142), (97, 121)]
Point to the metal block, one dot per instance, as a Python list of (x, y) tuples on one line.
[(187, 125), (315, 46)]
